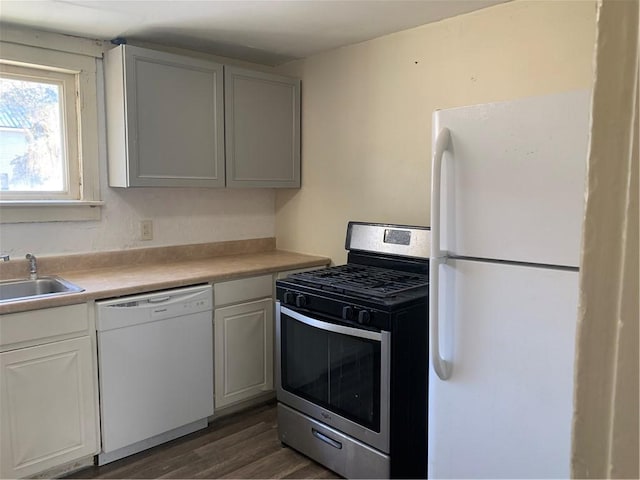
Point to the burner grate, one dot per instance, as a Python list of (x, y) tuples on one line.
[(362, 280)]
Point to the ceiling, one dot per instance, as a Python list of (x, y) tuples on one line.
[(269, 32)]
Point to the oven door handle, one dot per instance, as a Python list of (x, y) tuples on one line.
[(331, 327)]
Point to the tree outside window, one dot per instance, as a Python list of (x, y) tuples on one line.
[(31, 136)]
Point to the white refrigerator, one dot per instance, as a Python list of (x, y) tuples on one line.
[(506, 216)]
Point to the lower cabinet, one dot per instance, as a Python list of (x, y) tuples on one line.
[(243, 351), (243, 340), (48, 406)]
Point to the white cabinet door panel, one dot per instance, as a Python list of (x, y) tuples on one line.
[(48, 406), (243, 351)]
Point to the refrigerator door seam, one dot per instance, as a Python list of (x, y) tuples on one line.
[(514, 262)]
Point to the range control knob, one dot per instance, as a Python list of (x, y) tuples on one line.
[(289, 298), (301, 300), (347, 313), (364, 317)]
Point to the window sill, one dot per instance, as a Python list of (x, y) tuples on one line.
[(19, 211)]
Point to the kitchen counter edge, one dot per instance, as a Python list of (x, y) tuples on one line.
[(121, 280)]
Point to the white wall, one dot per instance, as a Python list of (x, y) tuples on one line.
[(366, 109), (180, 215)]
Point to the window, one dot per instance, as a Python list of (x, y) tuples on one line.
[(39, 135), (48, 128)]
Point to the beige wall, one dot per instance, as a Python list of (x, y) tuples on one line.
[(605, 431), (366, 143), (366, 114)]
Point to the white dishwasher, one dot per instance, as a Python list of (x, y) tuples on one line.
[(155, 362)]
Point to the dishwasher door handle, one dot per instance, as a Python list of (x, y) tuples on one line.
[(159, 299)]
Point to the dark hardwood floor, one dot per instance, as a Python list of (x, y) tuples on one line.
[(242, 445)]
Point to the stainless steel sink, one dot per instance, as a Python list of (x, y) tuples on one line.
[(12, 290)]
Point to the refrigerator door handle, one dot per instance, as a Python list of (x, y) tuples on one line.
[(440, 365)]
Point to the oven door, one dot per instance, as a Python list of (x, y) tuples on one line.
[(336, 374)]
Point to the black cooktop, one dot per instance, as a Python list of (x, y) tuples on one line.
[(387, 269), (362, 280)]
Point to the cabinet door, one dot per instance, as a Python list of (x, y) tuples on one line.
[(173, 130), (262, 136), (243, 351), (48, 412)]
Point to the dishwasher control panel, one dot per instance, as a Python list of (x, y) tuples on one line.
[(133, 310), (166, 308)]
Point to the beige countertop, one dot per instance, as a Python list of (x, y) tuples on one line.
[(158, 272)]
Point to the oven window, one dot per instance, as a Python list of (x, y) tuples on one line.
[(338, 372)]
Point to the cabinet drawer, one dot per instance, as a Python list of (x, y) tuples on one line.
[(41, 324), (242, 290)]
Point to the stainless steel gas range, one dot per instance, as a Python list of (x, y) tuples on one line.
[(352, 356)]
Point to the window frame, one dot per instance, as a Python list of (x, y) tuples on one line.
[(41, 50)]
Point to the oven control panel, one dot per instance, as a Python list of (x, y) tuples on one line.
[(361, 315), (404, 240), (296, 299)]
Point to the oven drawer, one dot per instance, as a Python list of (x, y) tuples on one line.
[(342, 454)]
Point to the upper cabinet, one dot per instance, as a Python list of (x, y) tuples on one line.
[(262, 129), (164, 119), (177, 121)]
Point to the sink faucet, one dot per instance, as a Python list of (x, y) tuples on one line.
[(33, 267)]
